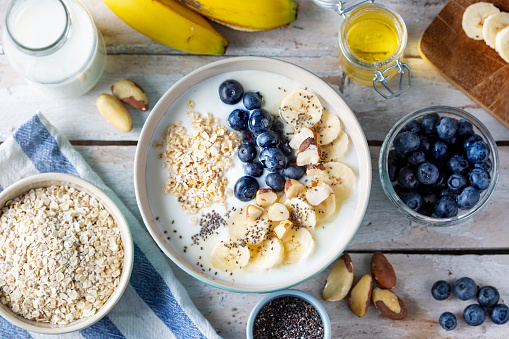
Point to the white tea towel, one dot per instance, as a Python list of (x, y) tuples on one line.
[(155, 304)]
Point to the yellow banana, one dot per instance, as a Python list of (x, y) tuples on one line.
[(247, 15), (170, 23)]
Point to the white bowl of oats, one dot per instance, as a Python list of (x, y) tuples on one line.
[(187, 167), (66, 253)]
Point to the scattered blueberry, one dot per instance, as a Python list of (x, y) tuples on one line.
[(465, 288), (416, 158), (259, 121), (468, 198), (245, 188), (253, 169), (427, 173), (441, 290), (470, 140), (275, 181), (293, 171), (446, 207), (500, 314), (458, 163), (448, 321), (247, 152), (267, 139), (429, 122), (485, 165), (447, 128), (479, 178), (478, 151), (488, 296), (252, 100), (273, 159), (285, 148), (456, 182), (406, 142), (407, 178), (412, 199), (439, 149), (230, 92), (238, 119), (474, 315), (464, 128), (412, 126)]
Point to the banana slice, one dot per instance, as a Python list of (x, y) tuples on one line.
[(297, 243), (502, 44), (252, 232), (302, 214), (474, 18), (339, 176), (301, 108), (230, 255), (267, 255), (492, 25), (326, 207), (318, 192), (337, 149), (328, 128)]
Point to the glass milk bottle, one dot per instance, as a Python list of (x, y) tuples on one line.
[(54, 45)]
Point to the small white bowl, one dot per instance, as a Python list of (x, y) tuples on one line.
[(48, 179)]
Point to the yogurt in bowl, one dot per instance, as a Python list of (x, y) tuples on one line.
[(189, 239)]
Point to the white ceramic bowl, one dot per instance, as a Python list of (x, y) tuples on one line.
[(158, 210), (48, 179)]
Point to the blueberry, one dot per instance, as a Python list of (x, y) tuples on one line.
[(485, 165), (474, 315), (245, 188), (393, 155), (238, 119), (448, 321), (447, 128), (285, 148), (470, 140), (230, 91), (294, 171), (412, 126), (468, 198), (416, 158), (259, 121), (439, 149), (441, 290), (464, 128), (500, 314), (449, 192), (278, 126), (427, 209), (429, 122), (456, 182), (398, 189), (425, 144), (406, 142), (407, 178), (412, 199), (446, 207), (252, 100), (267, 139), (248, 137), (479, 178), (440, 183), (273, 159), (427, 173), (254, 169), (458, 163), (488, 296), (392, 169), (247, 152), (478, 151), (465, 288), (275, 181)]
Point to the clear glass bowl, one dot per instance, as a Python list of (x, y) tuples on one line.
[(443, 111)]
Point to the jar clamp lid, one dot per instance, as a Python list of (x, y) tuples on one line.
[(381, 75)]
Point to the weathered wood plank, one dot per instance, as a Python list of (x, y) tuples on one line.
[(383, 227)]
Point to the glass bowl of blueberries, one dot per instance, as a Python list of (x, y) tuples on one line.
[(439, 165)]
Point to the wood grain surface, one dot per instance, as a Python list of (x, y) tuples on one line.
[(471, 65)]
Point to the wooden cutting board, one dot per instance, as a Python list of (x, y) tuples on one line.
[(471, 65)]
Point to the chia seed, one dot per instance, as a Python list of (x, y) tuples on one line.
[(288, 317)]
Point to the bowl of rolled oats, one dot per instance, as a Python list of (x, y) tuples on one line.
[(66, 253)]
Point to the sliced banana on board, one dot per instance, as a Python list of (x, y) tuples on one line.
[(298, 243), (301, 108), (230, 255), (492, 25), (502, 44), (328, 128), (339, 176), (268, 254), (474, 17), (337, 149)]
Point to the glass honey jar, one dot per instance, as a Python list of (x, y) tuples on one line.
[(372, 40)]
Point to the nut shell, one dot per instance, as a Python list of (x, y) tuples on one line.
[(389, 304), (340, 279), (360, 296), (382, 271)]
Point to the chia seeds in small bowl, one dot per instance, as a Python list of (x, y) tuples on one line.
[(288, 314)]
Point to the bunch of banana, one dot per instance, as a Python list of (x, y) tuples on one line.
[(178, 24)]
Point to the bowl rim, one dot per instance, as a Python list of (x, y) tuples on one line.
[(394, 198), (47, 179), (207, 71), (289, 293)]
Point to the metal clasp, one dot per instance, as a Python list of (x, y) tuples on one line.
[(340, 5), (380, 78)]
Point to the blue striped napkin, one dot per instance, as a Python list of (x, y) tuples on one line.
[(155, 304)]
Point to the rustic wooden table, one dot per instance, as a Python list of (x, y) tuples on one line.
[(420, 255)]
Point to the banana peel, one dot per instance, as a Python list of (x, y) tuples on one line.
[(246, 15), (170, 23)]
